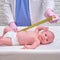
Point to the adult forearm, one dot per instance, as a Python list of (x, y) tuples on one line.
[(50, 4), (8, 12)]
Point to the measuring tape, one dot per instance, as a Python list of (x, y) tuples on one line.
[(38, 23)]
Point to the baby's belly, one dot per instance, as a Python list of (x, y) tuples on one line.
[(26, 41), (25, 38)]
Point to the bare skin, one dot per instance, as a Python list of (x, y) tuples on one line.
[(30, 39)]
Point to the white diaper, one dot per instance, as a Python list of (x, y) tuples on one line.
[(12, 35)]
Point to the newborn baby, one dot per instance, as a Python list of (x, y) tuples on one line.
[(29, 39)]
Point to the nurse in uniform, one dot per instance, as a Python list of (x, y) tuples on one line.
[(28, 12)]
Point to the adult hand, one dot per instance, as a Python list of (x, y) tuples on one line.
[(49, 13), (13, 26)]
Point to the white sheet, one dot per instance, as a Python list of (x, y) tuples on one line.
[(43, 52)]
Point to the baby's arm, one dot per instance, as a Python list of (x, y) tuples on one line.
[(33, 46), (39, 28)]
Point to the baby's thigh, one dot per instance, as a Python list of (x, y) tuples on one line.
[(7, 29)]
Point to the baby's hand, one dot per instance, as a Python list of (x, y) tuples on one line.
[(45, 28), (39, 28), (25, 47), (28, 47)]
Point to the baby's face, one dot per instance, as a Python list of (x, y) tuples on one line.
[(46, 37)]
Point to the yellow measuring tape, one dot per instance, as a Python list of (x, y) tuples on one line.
[(36, 24)]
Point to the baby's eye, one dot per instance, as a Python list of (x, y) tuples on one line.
[(45, 34)]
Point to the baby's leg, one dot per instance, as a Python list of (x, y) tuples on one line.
[(5, 41), (7, 29)]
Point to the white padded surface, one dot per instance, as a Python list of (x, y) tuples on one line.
[(54, 45)]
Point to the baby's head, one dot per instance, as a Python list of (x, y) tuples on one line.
[(46, 37)]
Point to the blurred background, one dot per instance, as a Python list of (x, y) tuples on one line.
[(3, 20)]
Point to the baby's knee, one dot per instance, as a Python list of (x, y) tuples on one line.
[(6, 29)]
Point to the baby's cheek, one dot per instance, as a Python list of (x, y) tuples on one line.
[(44, 42)]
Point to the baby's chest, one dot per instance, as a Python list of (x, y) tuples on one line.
[(27, 36)]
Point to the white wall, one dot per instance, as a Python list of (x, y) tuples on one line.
[(57, 10), (3, 20)]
